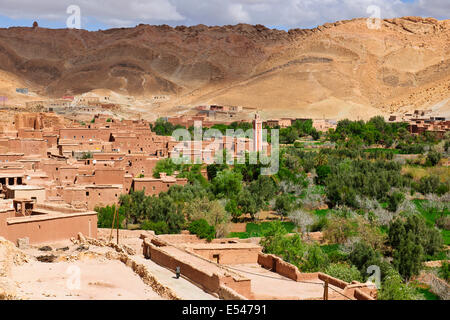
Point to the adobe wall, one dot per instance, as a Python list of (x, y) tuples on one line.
[(180, 238), (276, 264), (108, 176), (39, 194), (230, 255), (211, 282), (52, 228), (102, 196), (155, 186)]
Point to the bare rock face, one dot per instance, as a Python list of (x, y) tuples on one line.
[(334, 69)]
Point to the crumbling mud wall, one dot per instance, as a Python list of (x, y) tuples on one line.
[(437, 285)]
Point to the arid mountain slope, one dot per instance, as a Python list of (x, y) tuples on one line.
[(337, 70)]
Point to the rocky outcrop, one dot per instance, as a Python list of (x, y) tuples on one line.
[(9, 256), (338, 64)]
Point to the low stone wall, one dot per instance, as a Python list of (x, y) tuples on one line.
[(437, 285)]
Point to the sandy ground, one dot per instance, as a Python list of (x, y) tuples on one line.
[(89, 275), (98, 279)]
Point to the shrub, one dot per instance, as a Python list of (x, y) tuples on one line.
[(393, 288), (87, 155), (210, 211), (322, 173), (415, 226), (394, 200), (160, 227), (364, 256), (444, 271), (283, 204), (320, 224), (433, 158), (428, 184), (316, 259), (408, 257), (202, 229), (105, 216), (344, 272), (339, 229)]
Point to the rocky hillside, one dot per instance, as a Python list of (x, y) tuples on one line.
[(336, 70)]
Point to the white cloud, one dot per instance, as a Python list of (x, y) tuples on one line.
[(279, 13), (238, 14)]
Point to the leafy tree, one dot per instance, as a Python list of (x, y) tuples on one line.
[(394, 200), (339, 229), (165, 165), (284, 204), (233, 209), (105, 216), (393, 288), (344, 272), (322, 173), (211, 211), (164, 128), (433, 158), (447, 145), (227, 183), (444, 271), (363, 256), (316, 259), (247, 202), (134, 206), (163, 208), (415, 226), (87, 155), (214, 168), (263, 189), (408, 256), (202, 229), (431, 184)]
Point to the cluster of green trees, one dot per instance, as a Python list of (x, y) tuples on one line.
[(407, 241), (300, 128), (360, 185), (377, 131), (164, 128)]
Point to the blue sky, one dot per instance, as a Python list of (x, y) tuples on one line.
[(281, 14)]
